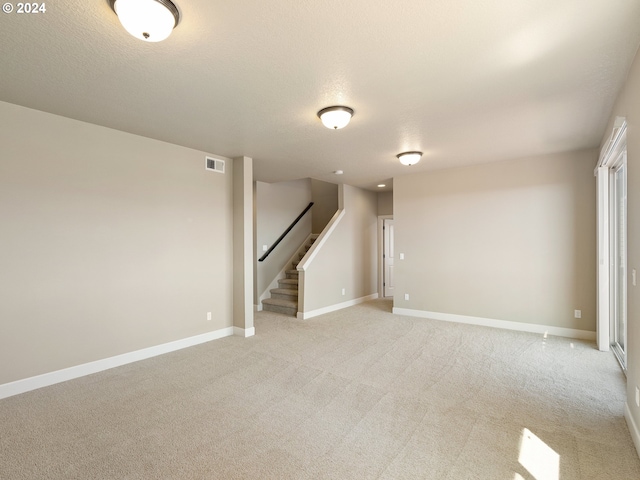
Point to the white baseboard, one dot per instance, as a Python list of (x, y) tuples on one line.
[(505, 324), (244, 332), (51, 378), (338, 306), (633, 427)]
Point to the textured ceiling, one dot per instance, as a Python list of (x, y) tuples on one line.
[(464, 81)]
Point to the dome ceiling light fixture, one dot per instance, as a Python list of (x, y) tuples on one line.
[(409, 158), (148, 20), (335, 117)]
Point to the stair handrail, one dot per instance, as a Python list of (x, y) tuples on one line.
[(284, 234)]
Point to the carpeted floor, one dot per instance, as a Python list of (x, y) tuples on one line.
[(354, 394)]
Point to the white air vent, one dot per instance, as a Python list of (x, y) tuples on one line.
[(214, 164)]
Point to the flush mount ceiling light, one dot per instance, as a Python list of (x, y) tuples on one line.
[(409, 158), (148, 20), (335, 117)]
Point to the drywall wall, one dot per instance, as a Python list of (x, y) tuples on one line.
[(385, 203), (243, 246), (346, 259), (277, 205), (111, 243), (512, 241), (324, 196), (628, 106)]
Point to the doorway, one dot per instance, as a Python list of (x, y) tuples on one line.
[(388, 280), (386, 249)]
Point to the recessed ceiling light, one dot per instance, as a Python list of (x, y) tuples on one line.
[(148, 20), (409, 158), (338, 172), (335, 117), (381, 185)]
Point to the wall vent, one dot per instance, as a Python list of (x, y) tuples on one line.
[(214, 164)]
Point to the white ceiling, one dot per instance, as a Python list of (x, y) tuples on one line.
[(465, 81)]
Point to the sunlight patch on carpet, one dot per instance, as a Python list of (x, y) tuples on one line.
[(542, 461)]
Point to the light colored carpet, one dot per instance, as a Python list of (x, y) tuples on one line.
[(355, 394)]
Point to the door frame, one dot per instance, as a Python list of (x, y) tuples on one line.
[(381, 219), (610, 152), (618, 285)]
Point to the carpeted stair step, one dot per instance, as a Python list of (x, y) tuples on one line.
[(306, 250), (292, 273), (278, 305), (288, 283), (284, 299), (284, 294)]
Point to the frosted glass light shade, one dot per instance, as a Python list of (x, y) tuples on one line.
[(148, 20), (409, 158), (335, 117)]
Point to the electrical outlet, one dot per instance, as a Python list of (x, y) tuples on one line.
[(577, 313), (402, 256), (265, 248), (406, 296), (344, 291), (208, 316)]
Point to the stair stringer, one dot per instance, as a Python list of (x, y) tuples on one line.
[(282, 273), (306, 261)]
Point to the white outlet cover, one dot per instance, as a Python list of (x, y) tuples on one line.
[(577, 313), (406, 296), (402, 256), (265, 248), (637, 397)]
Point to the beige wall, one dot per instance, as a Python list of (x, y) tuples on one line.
[(628, 105), (510, 241), (277, 205), (243, 246), (385, 203), (324, 196), (111, 243), (347, 259)]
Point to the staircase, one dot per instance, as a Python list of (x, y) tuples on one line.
[(284, 299)]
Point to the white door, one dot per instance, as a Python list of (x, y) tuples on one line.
[(389, 281)]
